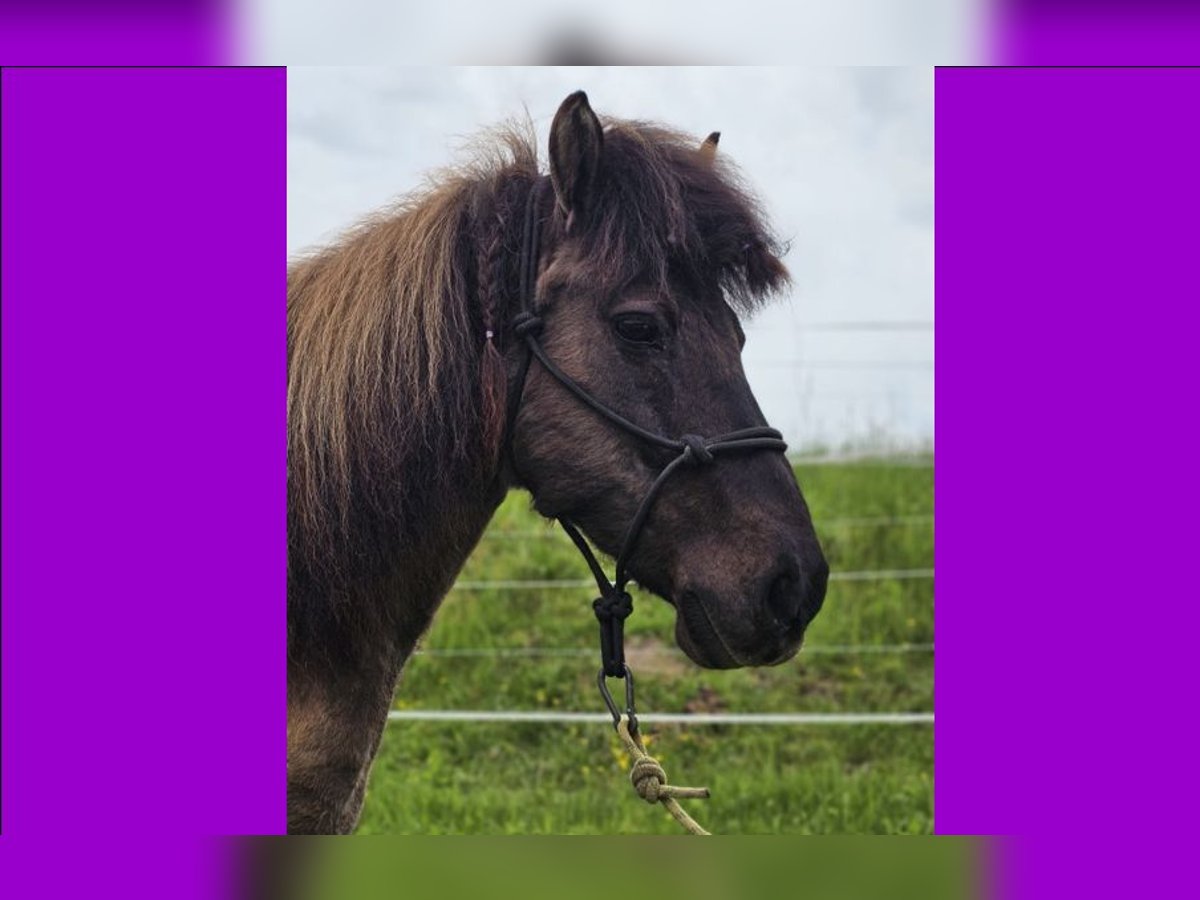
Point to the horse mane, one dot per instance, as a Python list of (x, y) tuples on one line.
[(666, 209), (392, 380)]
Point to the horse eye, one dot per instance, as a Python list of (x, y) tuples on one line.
[(637, 328)]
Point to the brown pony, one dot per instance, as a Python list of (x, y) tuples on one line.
[(401, 365)]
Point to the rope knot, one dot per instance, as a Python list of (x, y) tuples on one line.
[(695, 450), (526, 323), (648, 778), (613, 604), (650, 781)]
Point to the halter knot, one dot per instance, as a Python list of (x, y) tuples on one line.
[(648, 778), (612, 608), (525, 323), (695, 450), (613, 604)]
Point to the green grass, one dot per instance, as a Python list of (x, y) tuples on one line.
[(547, 778)]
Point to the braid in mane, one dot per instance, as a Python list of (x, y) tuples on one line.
[(494, 270)]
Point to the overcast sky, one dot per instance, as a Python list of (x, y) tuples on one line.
[(843, 159)]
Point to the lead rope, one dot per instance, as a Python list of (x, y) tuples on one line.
[(614, 604), (650, 781), (612, 608)]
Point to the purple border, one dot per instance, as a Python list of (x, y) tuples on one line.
[(144, 376), (128, 32), (1085, 32), (1067, 321)]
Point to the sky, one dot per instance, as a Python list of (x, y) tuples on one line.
[(842, 158), (889, 32)]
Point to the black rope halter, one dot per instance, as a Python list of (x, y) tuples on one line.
[(614, 604)]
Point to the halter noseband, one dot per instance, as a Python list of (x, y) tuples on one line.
[(614, 604)]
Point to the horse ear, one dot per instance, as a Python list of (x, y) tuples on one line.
[(708, 147), (576, 140)]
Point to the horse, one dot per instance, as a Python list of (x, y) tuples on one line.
[(413, 408)]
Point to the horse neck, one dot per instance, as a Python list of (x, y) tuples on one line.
[(364, 593), (361, 606), (434, 551)]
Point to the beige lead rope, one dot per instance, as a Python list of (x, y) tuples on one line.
[(650, 781)]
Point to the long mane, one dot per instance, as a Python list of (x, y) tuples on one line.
[(387, 326)]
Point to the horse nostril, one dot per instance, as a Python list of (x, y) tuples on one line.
[(785, 597), (818, 584), (794, 597)]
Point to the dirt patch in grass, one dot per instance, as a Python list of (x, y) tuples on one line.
[(706, 700), (650, 656)]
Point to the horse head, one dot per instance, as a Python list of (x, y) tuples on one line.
[(649, 251)]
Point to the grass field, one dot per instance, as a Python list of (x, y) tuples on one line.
[(548, 778)]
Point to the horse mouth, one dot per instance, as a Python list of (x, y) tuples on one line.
[(698, 637)]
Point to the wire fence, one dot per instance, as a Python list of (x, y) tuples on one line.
[(533, 584), (699, 719), (863, 379), (841, 718), (868, 325), (844, 522), (534, 652), (917, 364)]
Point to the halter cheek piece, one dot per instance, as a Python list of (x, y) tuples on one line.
[(614, 604)]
